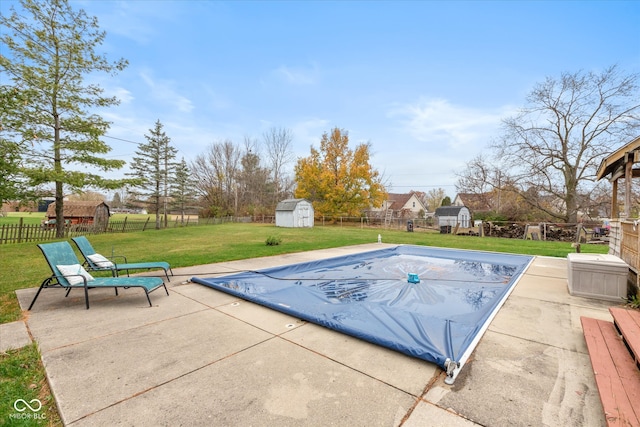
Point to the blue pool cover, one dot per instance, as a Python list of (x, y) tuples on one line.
[(426, 302)]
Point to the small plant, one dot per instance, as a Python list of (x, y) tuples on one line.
[(273, 241), (633, 301)]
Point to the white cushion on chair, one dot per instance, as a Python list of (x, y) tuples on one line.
[(73, 273), (100, 261)]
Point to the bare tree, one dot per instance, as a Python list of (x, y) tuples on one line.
[(570, 124), (486, 180), (277, 142), (479, 176), (433, 198), (216, 173), (254, 182), (87, 196)]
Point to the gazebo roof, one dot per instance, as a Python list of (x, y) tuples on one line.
[(616, 161)]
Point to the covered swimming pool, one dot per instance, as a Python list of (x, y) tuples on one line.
[(429, 303)]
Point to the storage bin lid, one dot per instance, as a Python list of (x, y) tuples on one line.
[(597, 259)]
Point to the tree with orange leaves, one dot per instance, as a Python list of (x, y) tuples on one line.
[(338, 180)]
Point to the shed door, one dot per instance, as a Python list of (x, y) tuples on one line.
[(464, 220), (303, 217)]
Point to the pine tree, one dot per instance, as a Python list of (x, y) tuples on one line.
[(47, 108), (154, 168), (182, 189)]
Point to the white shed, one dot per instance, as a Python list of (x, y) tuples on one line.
[(294, 213), (450, 216)]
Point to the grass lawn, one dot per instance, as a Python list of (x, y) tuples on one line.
[(28, 218), (23, 266)]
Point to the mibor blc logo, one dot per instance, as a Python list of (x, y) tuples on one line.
[(27, 410)]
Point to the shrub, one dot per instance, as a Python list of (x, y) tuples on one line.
[(273, 241)]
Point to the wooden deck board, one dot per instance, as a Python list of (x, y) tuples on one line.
[(624, 364), (628, 322), (612, 365)]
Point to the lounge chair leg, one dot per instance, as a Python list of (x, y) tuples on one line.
[(86, 296), (165, 289), (36, 297), (148, 299)]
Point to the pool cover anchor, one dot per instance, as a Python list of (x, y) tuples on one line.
[(450, 366)]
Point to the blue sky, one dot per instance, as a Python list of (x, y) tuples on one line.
[(425, 82)]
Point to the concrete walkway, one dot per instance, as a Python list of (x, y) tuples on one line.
[(202, 357)]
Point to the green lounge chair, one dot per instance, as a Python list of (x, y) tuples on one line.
[(97, 262), (69, 274)]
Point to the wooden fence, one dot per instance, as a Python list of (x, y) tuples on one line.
[(630, 243), (22, 233), (19, 233)]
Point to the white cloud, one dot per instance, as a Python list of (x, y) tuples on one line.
[(123, 95), (214, 99), (163, 91), (438, 122), (307, 133), (137, 21), (298, 76)]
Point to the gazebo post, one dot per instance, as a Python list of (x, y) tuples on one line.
[(614, 200), (627, 184)]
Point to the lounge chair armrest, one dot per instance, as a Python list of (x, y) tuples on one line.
[(113, 257), (57, 277)]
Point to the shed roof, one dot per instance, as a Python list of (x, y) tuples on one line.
[(449, 210), (82, 209), (289, 204)]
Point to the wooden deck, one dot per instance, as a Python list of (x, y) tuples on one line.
[(614, 349)]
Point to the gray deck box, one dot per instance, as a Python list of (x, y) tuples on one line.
[(598, 276)]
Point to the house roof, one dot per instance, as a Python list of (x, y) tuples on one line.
[(81, 209), (616, 160), (289, 204), (398, 200), (476, 202), (449, 210)]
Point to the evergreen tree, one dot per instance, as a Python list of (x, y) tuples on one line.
[(45, 105), (154, 168), (182, 189)]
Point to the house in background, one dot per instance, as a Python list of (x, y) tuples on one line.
[(95, 213), (474, 202), (294, 213), (406, 205), (450, 217)]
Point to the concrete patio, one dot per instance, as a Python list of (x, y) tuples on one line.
[(202, 357)]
